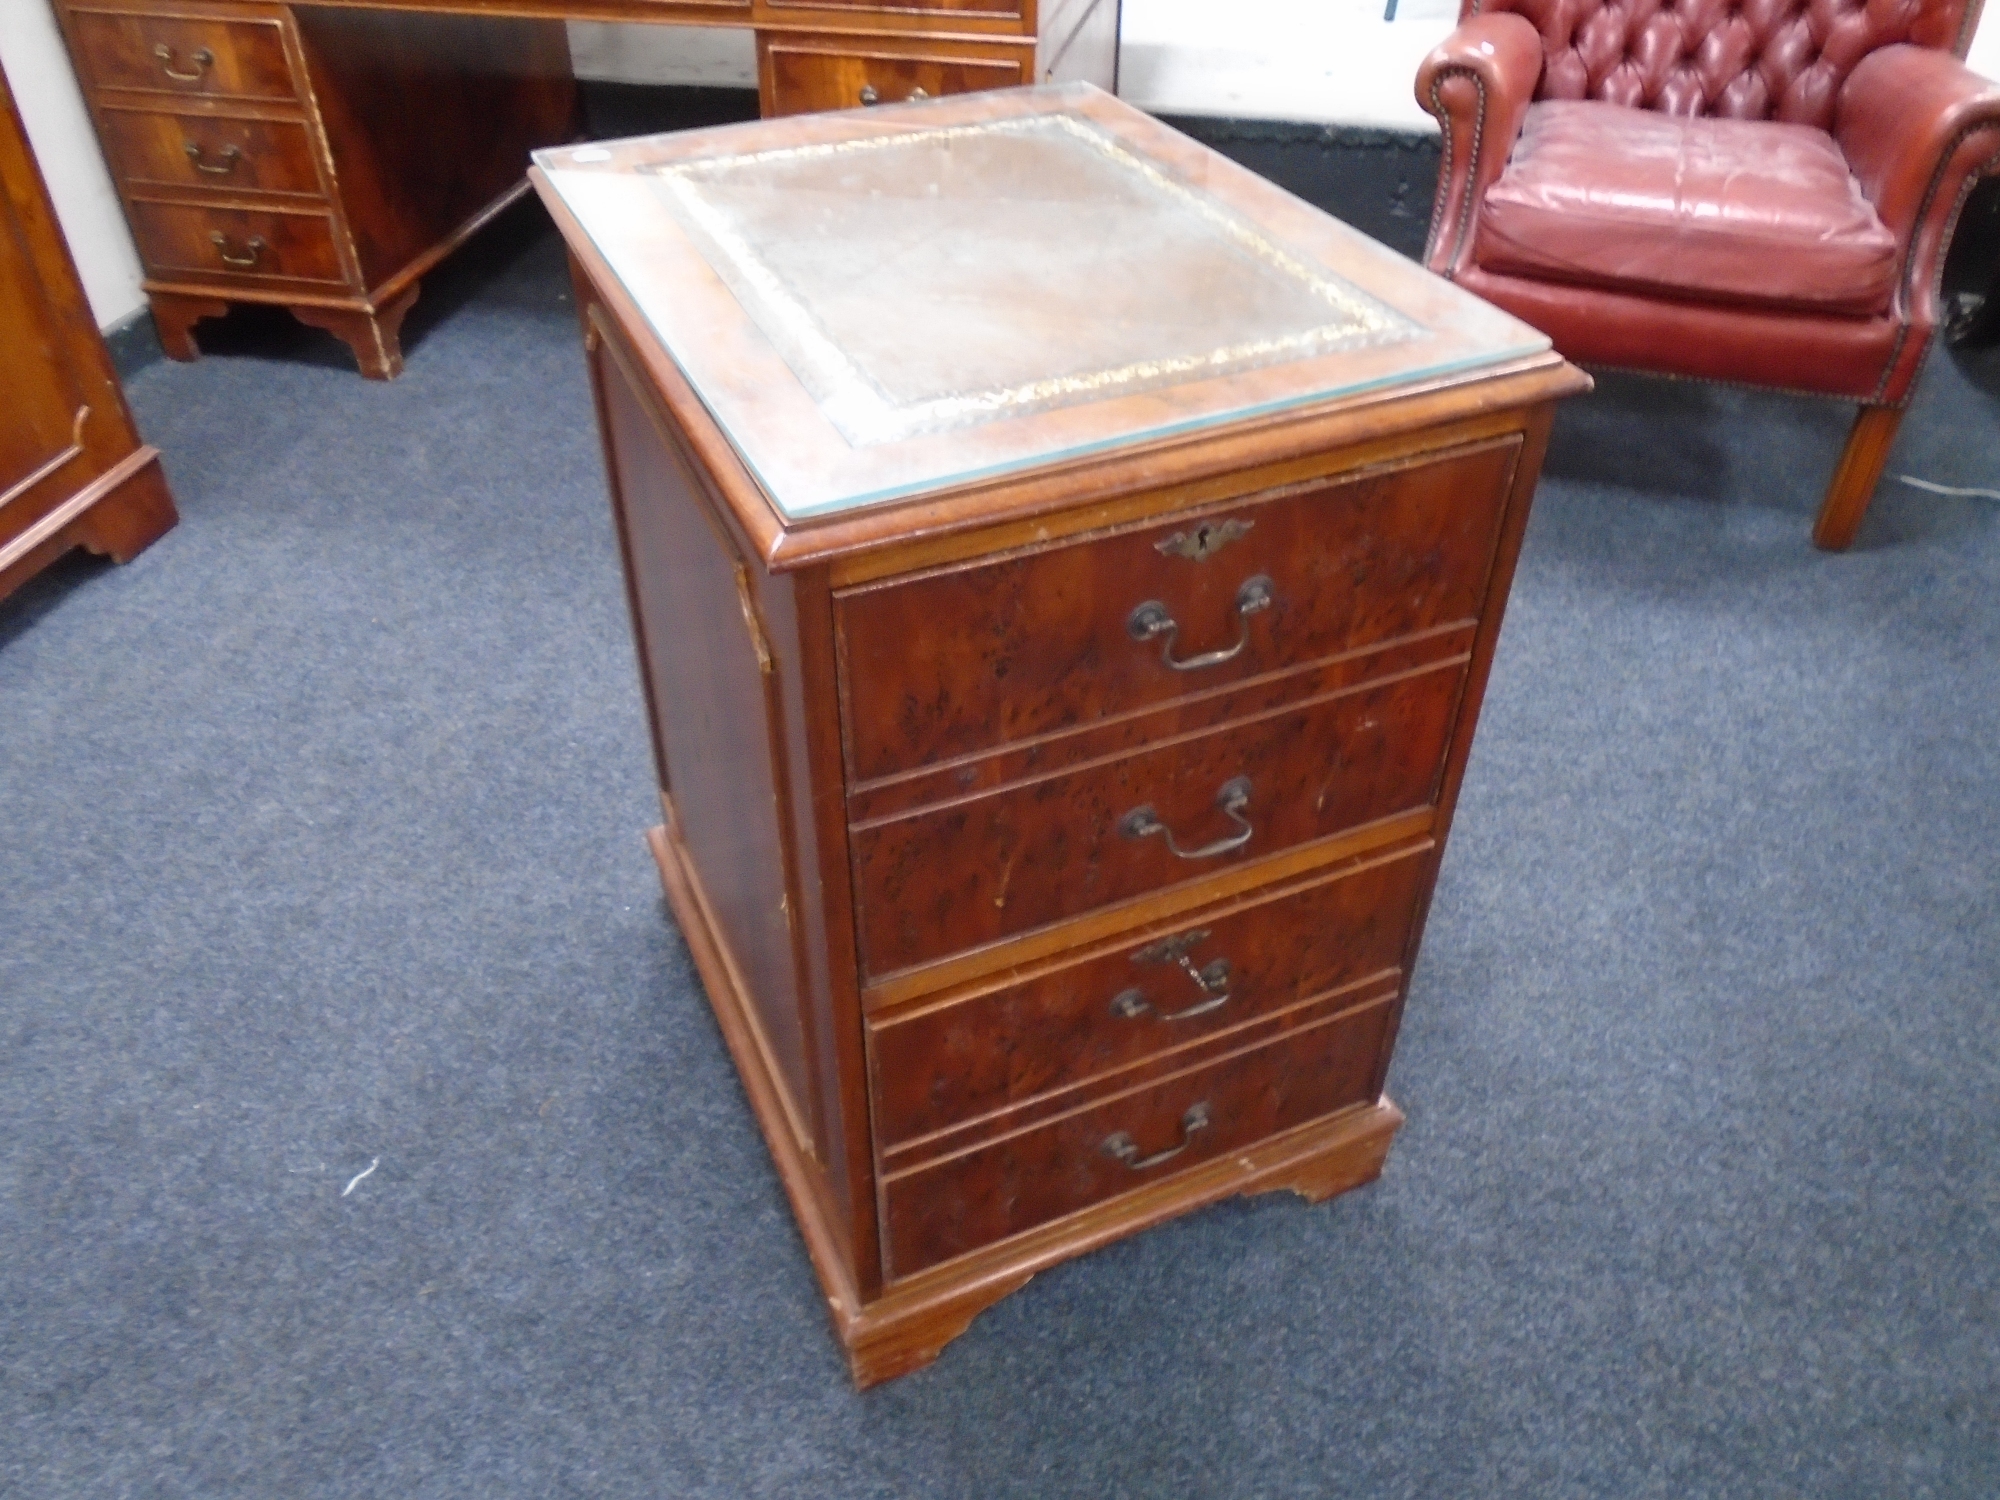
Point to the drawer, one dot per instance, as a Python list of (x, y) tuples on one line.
[(933, 1067), (214, 241), (1132, 1140), (945, 665), (805, 79), (963, 874), (149, 148), (986, 10), (183, 54)]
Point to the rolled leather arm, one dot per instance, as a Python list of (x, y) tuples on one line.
[(1479, 82), (1918, 128)]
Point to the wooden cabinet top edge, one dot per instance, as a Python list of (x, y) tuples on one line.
[(112, 100), (836, 30), (1349, 431), (242, 12), (1004, 41), (1108, 516), (882, 539), (664, 12)]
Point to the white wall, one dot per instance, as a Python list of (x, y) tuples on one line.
[(1984, 53), (38, 71)]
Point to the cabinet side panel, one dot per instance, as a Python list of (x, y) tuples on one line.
[(39, 414), (67, 444), (704, 674)]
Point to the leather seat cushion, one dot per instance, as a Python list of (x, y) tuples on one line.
[(1703, 208)]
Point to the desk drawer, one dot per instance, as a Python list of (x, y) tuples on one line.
[(247, 243), (183, 54), (963, 874), (803, 79), (213, 152), (958, 661), (985, 10), (934, 1067), (947, 1208)]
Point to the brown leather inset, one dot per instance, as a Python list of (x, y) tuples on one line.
[(1740, 59), (1708, 208)]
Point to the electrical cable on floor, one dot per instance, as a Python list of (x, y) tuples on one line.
[(1947, 489)]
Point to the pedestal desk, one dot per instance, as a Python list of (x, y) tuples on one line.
[(1064, 570), (323, 155)]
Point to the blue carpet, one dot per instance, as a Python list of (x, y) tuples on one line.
[(320, 851)]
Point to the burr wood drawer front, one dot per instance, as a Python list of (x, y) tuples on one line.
[(1131, 1140), (806, 78), (235, 243), (955, 876), (936, 1066), (951, 663), (215, 153), (196, 55)]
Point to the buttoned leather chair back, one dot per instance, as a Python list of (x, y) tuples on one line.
[(1760, 60)]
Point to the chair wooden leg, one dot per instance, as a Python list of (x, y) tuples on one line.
[(1855, 478)]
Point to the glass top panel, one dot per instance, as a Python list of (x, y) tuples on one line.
[(884, 304), (891, 273)]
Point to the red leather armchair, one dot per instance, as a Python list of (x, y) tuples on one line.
[(1753, 191)]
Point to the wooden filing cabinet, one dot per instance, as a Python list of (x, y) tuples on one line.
[(73, 472), (1060, 678), (320, 160)]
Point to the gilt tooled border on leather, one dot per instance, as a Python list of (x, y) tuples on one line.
[(1444, 119), (1944, 244)]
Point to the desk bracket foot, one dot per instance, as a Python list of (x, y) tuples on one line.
[(375, 337), (174, 317)]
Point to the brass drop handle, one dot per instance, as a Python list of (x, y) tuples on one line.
[(203, 60), (256, 247), (1211, 980), (1154, 619), (1233, 797), (228, 157), (1126, 1149), (1132, 1003), (869, 96)]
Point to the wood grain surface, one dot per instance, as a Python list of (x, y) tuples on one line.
[(974, 656), (955, 877), (938, 1066), (945, 1208)]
